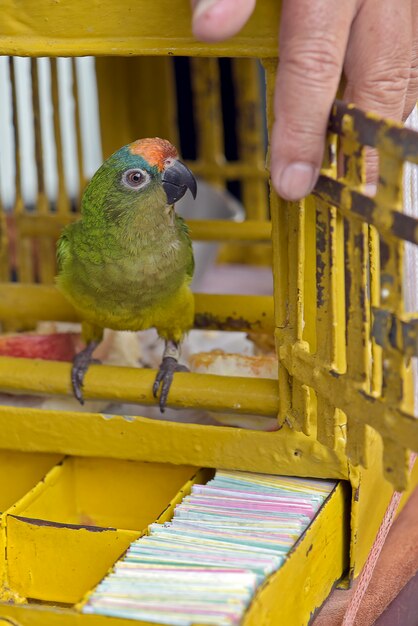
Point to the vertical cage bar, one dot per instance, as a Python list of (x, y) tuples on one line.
[(302, 399), (24, 246), (389, 193), (299, 415), (4, 241), (78, 136), (288, 238), (356, 260), (279, 234), (42, 203), (376, 350), (63, 204), (358, 329), (208, 107), (326, 319), (250, 130), (45, 249), (329, 310)]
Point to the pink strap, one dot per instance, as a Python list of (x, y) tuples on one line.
[(367, 571)]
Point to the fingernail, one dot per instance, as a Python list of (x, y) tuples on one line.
[(296, 180), (201, 6)]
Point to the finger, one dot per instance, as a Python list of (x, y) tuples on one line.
[(377, 65), (215, 20), (378, 59), (313, 39), (412, 91)]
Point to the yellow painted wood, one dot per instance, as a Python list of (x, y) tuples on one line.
[(26, 470), (200, 230), (229, 170), (259, 254), (127, 103), (4, 243), (63, 204), (288, 596), (43, 302), (248, 89), (138, 438), (55, 563), (251, 139), (200, 476), (46, 249), (373, 411), (389, 194), (279, 237), (63, 536), (208, 106), (248, 396), (301, 585), (65, 28), (218, 230), (309, 285), (19, 472), (327, 326), (44, 615), (24, 250), (73, 493), (78, 134), (38, 615)]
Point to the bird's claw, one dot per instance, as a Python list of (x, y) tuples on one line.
[(81, 363), (164, 378)]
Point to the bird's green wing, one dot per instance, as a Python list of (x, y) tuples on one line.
[(63, 249), (185, 231), (190, 267)]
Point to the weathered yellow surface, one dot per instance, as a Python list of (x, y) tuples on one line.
[(19, 473), (224, 312), (63, 536), (200, 230), (37, 615), (88, 434), (216, 393), (288, 597), (67, 28), (121, 98), (26, 470), (300, 586), (55, 563)]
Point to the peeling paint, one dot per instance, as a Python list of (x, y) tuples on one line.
[(41, 522)]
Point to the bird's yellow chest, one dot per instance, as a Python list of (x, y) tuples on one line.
[(172, 315)]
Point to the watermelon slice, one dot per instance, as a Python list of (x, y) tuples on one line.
[(50, 347)]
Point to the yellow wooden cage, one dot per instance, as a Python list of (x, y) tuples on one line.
[(344, 342)]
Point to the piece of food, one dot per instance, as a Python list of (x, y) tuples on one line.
[(222, 364)]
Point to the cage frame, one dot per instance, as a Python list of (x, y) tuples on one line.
[(62, 32)]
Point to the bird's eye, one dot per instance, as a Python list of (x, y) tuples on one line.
[(135, 179)]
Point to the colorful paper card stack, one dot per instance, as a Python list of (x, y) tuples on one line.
[(205, 565)]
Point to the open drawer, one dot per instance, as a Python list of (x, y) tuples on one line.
[(66, 558), (68, 530)]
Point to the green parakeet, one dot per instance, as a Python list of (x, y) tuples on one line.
[(127, 263)]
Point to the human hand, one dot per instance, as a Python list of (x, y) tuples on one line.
[(375, 44)]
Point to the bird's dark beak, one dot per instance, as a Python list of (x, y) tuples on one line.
[(177, 179)]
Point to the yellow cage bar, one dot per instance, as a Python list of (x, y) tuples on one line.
[(343, 400)]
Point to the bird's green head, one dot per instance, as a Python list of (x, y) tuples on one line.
[(146, 174)]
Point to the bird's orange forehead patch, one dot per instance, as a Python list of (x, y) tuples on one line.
[(155, 151)]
